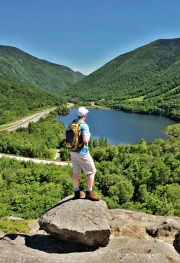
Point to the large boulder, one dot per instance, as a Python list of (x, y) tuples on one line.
[(129, 241), (82, 223)]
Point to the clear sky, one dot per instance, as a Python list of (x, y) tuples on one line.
[(86, 34)]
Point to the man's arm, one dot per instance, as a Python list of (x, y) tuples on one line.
[(85, 133), (86, 138)]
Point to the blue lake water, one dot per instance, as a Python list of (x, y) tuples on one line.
[(121, 127)]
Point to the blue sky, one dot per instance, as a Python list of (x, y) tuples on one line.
[(86, 34)]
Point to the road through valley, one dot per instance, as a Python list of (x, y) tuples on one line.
[(24, 123)]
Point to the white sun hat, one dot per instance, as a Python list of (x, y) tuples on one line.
[(82, 111)]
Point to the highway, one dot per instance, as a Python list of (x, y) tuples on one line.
[(25, 121)]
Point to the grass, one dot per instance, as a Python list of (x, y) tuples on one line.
[(13, 227), (90, 106), (137, 99)]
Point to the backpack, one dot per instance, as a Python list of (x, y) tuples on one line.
[(74, 139)]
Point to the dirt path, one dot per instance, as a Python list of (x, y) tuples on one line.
[(20, 158)]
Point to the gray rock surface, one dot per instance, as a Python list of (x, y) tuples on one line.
[(81, 222), (120, 249), (167, 227), (130, 241)]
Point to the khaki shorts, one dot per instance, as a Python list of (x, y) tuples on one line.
[(82, 161)]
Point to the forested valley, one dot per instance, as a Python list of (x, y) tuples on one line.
[(39, 139), (138, 177), (142, 177)]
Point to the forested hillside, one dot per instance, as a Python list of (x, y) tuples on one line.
[(143, 177), (40, 139), (20, 66), (138, 177), (145, 80), (18, 100)]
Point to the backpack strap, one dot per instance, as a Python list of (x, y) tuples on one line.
[(79, 121)]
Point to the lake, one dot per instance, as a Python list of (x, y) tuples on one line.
[(122, 127)]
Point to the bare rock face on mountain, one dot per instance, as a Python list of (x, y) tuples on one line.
[(80, 222)]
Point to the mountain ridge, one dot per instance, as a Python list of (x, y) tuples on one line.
[(18, 65), (124, 62), (144, 74), (138, 81)]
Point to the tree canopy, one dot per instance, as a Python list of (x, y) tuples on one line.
[(142, 177)]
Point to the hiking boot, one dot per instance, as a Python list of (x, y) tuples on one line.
[(91, 196), (78, 194)]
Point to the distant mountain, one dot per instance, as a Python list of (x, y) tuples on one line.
[(20, 66), (79, 73), (138, 81), (131, 74)]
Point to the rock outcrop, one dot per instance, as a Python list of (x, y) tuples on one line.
[(81, 223), (134, 237)]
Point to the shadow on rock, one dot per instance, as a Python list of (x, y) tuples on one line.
[(49, 244), (176, 242)]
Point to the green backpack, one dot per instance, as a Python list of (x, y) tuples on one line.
[(74, 139)]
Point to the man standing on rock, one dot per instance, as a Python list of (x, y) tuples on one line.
[(81, 159)]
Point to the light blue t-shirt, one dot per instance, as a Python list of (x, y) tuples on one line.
[(85, 132)]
